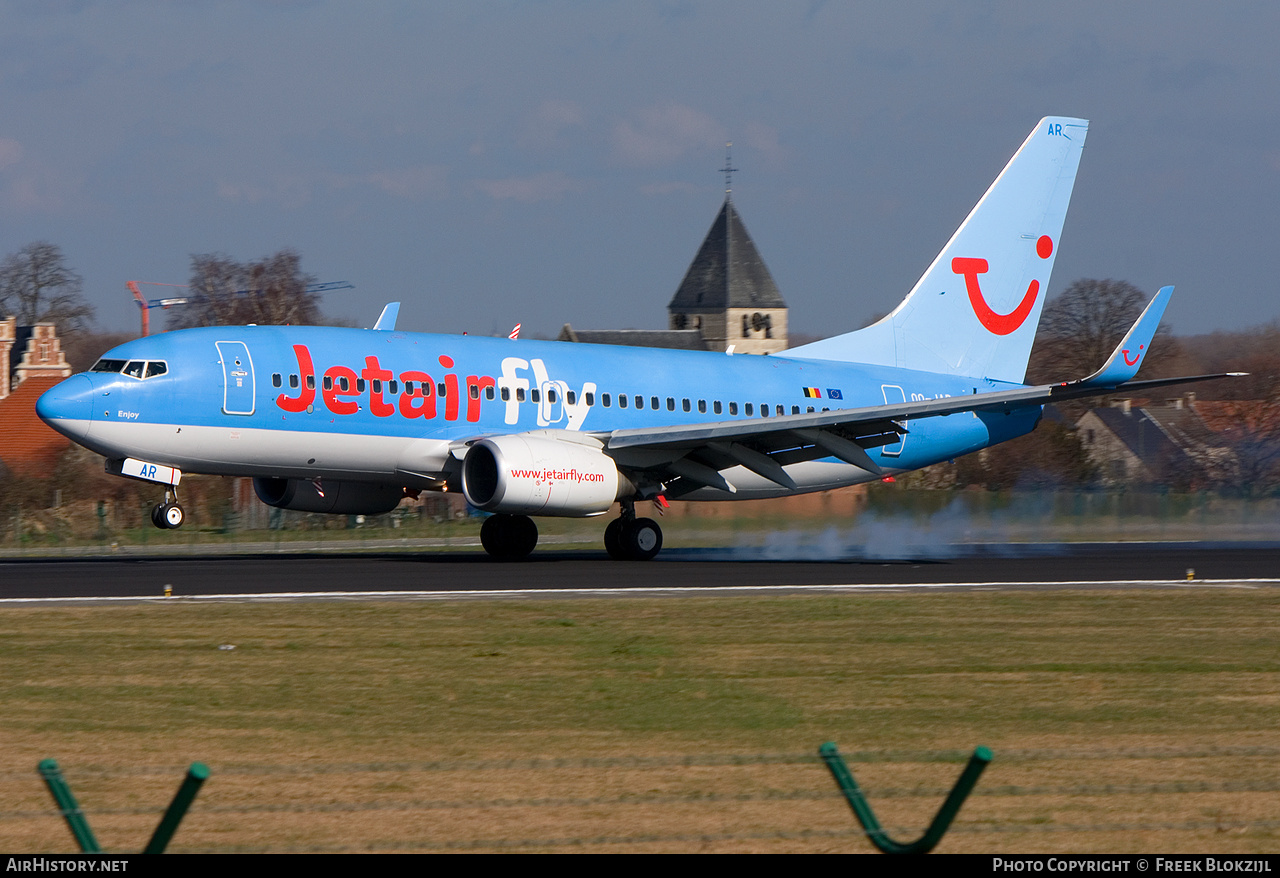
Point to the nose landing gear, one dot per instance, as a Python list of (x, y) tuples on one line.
[(169, 514)]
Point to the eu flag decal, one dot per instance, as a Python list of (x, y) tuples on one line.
[(834, 393)]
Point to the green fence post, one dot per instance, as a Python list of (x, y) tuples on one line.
[(66, 802), (197, 774), (862, 809)]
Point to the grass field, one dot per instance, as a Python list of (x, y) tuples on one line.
[(1120, 721)]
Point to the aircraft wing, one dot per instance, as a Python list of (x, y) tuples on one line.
[(697, 452)]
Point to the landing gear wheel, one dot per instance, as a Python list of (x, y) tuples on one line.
[(642, 539), (157, 516), (509, 537), (613, 540), (173, 515)]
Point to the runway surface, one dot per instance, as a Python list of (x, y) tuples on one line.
[(440, 575)]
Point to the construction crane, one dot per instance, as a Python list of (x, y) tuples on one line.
[(145, 305)]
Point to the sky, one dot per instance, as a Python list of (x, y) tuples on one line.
[(487, 163)]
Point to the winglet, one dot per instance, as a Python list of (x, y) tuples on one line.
[(1127, 358), (388, 318)]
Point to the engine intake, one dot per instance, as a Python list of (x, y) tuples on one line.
[(522, 474), (339, 498)]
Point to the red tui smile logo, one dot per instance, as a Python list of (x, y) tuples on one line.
[(1000, 324), (1136, 357)]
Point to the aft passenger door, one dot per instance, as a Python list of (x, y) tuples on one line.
[(237, 377)]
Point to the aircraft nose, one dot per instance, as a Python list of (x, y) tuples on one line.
[(68, 407)]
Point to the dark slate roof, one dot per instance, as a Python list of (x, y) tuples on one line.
[(678, 339), (727, 272), (1141, 433)]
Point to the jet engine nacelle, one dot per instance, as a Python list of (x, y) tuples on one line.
[(341, 498), (524, 474)]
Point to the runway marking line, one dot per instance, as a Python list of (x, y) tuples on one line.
[(658, 591)]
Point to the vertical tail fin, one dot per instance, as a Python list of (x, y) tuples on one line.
[(975, 310)]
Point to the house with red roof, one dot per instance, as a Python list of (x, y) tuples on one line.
[(31, 361)]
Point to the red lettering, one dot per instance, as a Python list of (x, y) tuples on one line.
[(422, 404), (340, 384), (307, 392), (450, 391), (479, 382), (333, 389), (373, 372)]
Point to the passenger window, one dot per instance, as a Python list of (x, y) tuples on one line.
[(591, 398), (605, 399), (155, 368), (474, 391), (535, 395), (394, 387), (733, 408), (506, 394), (377, 385), (440, 390), (702, 406), (328, 382), (293, 381), (685, 404), (795, 410), (639, 402), (311, 383), (671, 403), (570, 397), (488, 391), (764, 410), (622, 400), (809, 410), (782, 410), (275, 379), (519, 394), (653, 403), (343, 384), (716, 407), (551, 394)]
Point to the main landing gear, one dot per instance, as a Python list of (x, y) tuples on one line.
[(508, 537), (628, 538), (169, 514)]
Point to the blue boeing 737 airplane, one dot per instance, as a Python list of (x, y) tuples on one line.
[(351, 421)]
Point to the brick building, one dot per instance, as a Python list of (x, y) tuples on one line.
[(31, 361)]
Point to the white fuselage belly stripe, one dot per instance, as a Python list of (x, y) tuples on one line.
[(249, 451)]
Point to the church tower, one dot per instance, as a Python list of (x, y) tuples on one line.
[(728, 293)]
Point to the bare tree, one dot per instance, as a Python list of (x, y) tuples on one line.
[(38, 286), (270, 291)]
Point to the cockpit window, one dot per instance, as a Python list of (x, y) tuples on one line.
[(133, 368)]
